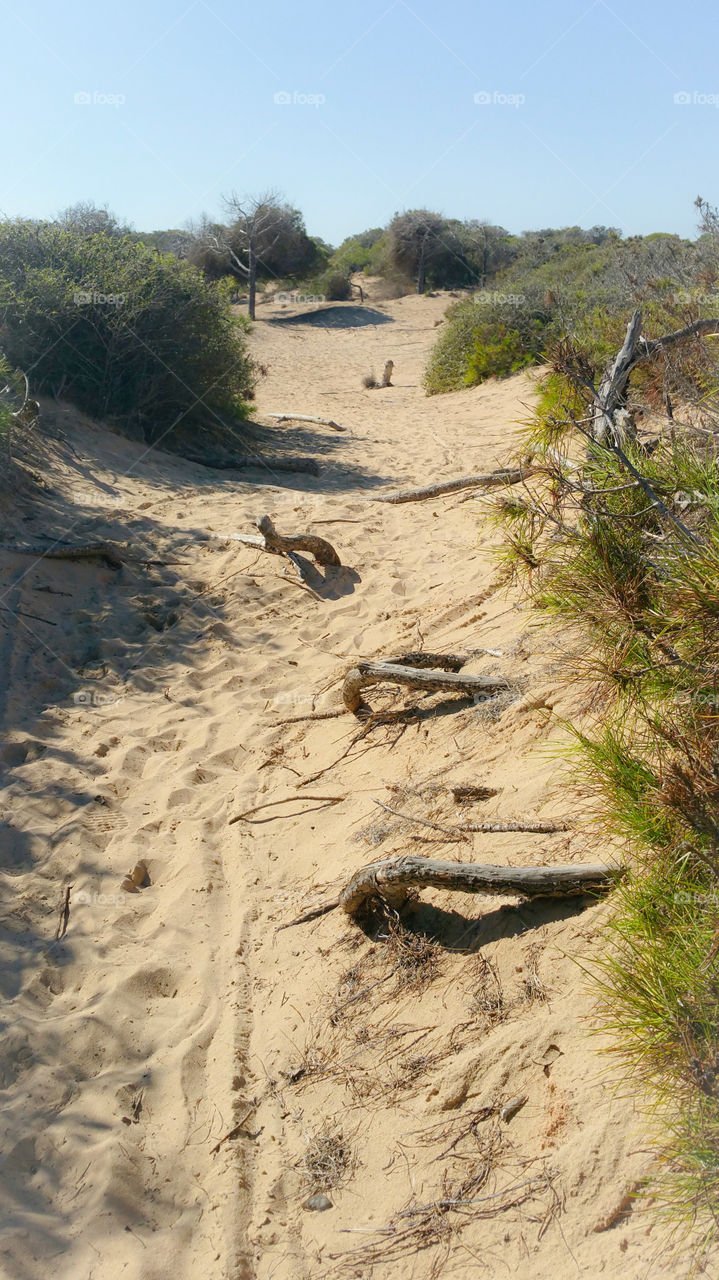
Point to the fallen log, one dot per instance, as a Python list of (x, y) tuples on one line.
[(115, 553), (240, 462), (390, 878), (304, 417), (505, 475), (368, 673)]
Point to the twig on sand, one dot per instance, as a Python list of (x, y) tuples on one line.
[(234, 1133), (313, 914), (64, 915), (454, 832), (20, 613), (529, 1183), (311, 715), (286, 800)]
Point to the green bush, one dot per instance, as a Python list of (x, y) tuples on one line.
[(335, 286), (580, 284), (496, 356), (131, 336), (487, 336), (638, 576)]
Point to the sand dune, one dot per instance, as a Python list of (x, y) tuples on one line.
[(177, 1077)]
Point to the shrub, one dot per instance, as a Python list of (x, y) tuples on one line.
[(579, 284), (135, 337), (639, 577), (486, 339), (335, 286)]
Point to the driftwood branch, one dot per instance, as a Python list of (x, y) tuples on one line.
[(304, 417), (270, 540), (368, 673), (390, 878), (521, 824), (227, 461), (505, 475), (612, 388), (322, 550)]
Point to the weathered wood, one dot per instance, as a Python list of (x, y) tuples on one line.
[(304, 417), (613, 387), (505, 475), (390, 878), (368, 673), (322, 550), (445, 661), (522, 824), (467, 792)]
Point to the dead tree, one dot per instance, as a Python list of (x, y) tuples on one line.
[(257, 224)]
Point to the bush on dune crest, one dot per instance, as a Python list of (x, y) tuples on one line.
[(134, 337), (560, 283)]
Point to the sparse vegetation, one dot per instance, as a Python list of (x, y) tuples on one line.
[(635, 563), (570, 282)]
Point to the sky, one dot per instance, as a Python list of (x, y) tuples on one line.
[(532, 114)]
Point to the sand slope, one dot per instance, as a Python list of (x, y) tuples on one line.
[(174, 1019)]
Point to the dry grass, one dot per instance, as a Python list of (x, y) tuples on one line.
[(533, 989), (483, 1178), (417, 959), (487, 1003), (329, 1160)]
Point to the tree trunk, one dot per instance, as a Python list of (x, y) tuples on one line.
[(252, 279)]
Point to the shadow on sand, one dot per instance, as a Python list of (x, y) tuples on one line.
[(337, 317)]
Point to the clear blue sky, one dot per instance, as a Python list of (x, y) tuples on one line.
[(598, 138)]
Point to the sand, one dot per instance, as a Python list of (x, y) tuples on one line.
[(178, 1077)]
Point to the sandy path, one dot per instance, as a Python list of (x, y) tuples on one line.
[(166, 1020)]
